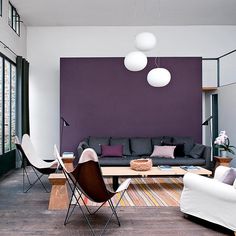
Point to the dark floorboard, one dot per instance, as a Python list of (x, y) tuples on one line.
[(27, 214)]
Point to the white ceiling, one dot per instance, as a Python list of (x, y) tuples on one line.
[(126, 12)]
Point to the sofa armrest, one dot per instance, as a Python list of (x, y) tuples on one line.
[(209, 186), (220, 172), (207, 156)]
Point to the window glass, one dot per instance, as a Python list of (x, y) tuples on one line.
[(10, 15), (1, 107), (7, 108), (0, 7), (7, 104), (13, 105), (14, 19)]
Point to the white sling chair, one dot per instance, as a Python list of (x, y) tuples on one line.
[(86, 179), (27, 152)]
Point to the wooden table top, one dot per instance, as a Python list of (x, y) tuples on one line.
[(155, 171)]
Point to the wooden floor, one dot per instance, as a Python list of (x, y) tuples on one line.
[(27, 214)]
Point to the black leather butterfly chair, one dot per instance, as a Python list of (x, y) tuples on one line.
[(39, 166), (86, 179)]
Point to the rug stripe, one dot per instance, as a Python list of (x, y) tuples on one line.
[(147, 192)]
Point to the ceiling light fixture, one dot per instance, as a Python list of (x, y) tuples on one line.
[(135, 61), (145, 41), (158, 77)]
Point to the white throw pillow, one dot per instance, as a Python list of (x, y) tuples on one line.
[(164, 151)]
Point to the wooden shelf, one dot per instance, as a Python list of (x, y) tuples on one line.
[(209, 89)]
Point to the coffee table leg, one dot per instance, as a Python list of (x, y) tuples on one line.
[(115, 182)]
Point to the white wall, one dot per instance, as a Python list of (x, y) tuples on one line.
[(9, 37), (228, 69), (45, 46), (227, 111)]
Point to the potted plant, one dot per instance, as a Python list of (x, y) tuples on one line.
[(223, 143)]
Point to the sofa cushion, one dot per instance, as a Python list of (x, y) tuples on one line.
[(141, 146), (164, 151), (188, 143), (96, 142), (157, 141), (124, 142), (180, 161), (196, 151), (114, 150), (116, 161), (167, 139), (179, 149)]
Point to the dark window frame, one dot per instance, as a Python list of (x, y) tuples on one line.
[(5, 58), (0, 7), (14, 19)]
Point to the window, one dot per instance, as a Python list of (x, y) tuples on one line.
[(7, 104), (14, 19)]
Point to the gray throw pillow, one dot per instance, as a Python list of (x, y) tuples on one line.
[(196, 151), (96, 142), (157, 141), (141, 146), (230, 176)]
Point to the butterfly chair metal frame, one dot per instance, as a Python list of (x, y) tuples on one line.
[(89, 161), (39, 171)]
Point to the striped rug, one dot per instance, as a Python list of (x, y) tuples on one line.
[(148, 192)]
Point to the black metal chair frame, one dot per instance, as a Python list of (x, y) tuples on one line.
[(39, 173), (77, 194)]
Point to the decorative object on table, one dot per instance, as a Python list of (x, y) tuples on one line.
[(141, 164), (223, 143), (64, 123), (136, 61), (165, 167), (190, 167)]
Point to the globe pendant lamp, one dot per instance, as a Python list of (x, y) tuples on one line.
[(145, 41), (135, 61), (158, 77)]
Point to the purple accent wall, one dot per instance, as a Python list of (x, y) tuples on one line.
[(100, 97)]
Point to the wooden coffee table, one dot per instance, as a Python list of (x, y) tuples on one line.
[(116, 172)]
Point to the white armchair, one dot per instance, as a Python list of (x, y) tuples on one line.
[(210, 199)]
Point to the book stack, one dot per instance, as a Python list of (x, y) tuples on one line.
[(165, 167), (190, 167), (68, 155)]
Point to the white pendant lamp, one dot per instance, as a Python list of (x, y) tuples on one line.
[(135, 61), (145, 41), (158, 77)]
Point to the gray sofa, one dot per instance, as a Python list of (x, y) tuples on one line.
[(134, 148)]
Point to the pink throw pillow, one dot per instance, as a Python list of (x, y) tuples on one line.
[(164, 151)]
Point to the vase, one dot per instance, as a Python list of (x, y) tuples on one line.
[(223, 153)]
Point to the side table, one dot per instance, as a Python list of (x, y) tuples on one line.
[(222, 161), (59, 195), (68, 161)]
